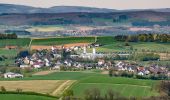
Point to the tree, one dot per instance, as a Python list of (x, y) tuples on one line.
[(15, 70), (92, 94), (165, 87), (3, 69), (110, 72), (3, 89), (68, 93), (18, 90)]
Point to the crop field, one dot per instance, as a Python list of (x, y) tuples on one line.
[(52, 87), (45, 28), (24, 97), (64, 76), (14, 42), (56, 82), (62, 41), (124, 86)]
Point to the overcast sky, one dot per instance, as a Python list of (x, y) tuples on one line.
[(114, 4)]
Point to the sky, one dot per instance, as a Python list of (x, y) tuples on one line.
[(113, 4)]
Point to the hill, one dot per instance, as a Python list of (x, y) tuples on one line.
[(10, 8), (144, 18)]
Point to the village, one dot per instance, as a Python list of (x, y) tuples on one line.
[(67, 59)]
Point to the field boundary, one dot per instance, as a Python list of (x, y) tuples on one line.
[(117, 84)]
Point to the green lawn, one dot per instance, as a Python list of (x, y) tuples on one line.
[(61, 41), (23, 97)]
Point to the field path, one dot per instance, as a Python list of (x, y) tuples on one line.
[(62, 87), (30, 43)]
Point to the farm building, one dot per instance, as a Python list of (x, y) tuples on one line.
[(13, 75)]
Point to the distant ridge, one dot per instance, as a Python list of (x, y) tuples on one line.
[(11, 8)]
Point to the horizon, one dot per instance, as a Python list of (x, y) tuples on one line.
[(109, 4)]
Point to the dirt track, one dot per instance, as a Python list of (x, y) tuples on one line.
[(59, 90)]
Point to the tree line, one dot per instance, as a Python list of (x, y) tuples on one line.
[(144, 38), (8, 36)]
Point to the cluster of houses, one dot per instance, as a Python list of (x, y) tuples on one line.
[(52, 59), (141, 70)]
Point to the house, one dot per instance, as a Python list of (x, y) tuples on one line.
[(140, 73), (101, 62), (26, 60), (24, 66), (130, 69), (38, 64), (13, 75), (141, 69), (56, 67)]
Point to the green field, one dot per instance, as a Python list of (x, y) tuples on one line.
[(110, 45), (61, 41), (125, 86), (87, 79), (60, 76), (23, 97), (14, 42), (10, 54), (45, 28)]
